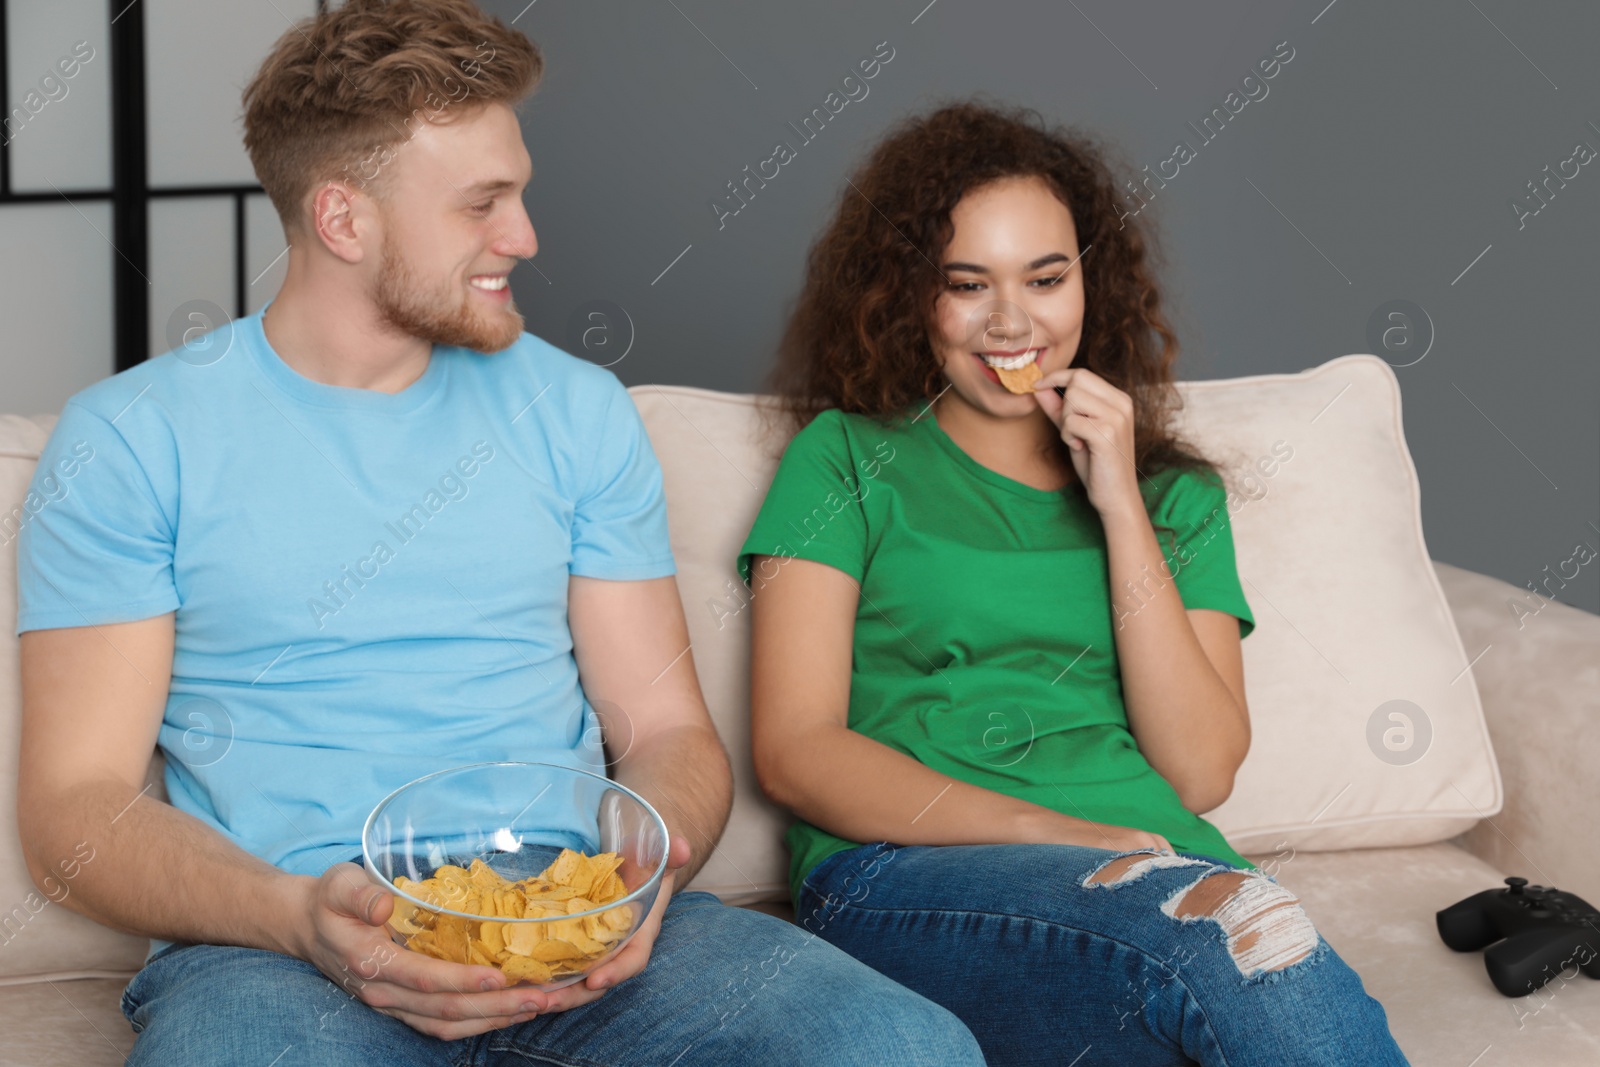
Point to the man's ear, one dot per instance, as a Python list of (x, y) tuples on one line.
[(341, 219)]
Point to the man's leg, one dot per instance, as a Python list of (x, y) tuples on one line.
[(210, 1005), (728, 985)]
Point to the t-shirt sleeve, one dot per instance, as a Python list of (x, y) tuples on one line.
[(1202, 560), (810, 511), (97, 546), (619, 523)]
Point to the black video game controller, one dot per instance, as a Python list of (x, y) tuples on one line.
[(1541, 932)]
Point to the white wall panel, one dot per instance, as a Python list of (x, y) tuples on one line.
[(265, 258), (199, 58), (59, 77), (55, 302), (191, 259)]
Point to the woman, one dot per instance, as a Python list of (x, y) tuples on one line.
[(997, 625)]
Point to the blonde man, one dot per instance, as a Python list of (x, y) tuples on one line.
[(374, 531)]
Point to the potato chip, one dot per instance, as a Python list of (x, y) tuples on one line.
[(513, 903), (552, 950), (541, 909), (404, 917), (566, 868), (1020, 380), (551, 892), (609, 888), (524, 951), (520, 968), (450, 935), (493, 939), (522, 937)]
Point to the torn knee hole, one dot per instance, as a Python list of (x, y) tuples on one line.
[(1265, 926), (1136, 865)]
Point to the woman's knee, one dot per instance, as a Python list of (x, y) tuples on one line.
[(1262, 923)]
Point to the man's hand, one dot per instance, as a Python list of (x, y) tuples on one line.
[(351, 945), (346, 939), (636, 953)]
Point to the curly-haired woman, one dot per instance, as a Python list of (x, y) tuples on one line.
[(997, 623)]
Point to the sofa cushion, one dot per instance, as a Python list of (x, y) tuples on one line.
[(39, 936), (1537, 663), (1376, 908), (65, 1024), (1367, 730)]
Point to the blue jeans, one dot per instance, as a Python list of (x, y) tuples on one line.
[(724, 985), (1049, 959)]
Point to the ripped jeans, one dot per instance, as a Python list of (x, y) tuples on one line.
[(1069, 955)]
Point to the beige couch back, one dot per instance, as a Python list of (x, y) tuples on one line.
[(1367, 730), (1352, 631), (39, 936)]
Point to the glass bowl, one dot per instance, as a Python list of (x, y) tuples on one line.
[(461, 850)]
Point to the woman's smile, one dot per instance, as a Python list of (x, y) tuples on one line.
[(1013, 360)]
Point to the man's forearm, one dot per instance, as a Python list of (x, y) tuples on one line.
[(158, 872), (684, 774)]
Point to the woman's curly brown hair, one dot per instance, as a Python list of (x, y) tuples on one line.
[(858, 337)]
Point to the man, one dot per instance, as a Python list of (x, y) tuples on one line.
[(337, 545)]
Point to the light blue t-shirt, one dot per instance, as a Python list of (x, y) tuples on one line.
[(369, 587)]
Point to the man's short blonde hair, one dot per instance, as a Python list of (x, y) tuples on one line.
[(342, 90)]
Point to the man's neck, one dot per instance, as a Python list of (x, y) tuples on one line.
[(341, 342)]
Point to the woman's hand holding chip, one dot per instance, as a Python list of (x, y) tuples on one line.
[(343, 935), (1096, 421)]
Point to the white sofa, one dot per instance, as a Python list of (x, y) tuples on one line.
[(1375, 821)]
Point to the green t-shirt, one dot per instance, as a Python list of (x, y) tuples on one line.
[(983, 642)]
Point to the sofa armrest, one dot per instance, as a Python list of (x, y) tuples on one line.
[(1538, 675)]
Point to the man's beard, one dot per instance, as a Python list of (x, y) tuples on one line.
[(432, 315)]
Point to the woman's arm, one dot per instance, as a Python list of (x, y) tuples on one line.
[(809, 760), (1182, 671)]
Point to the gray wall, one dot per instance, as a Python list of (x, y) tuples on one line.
[(1381, 163), (1380, 166)]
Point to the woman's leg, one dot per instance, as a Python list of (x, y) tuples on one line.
[(1070, 955)]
